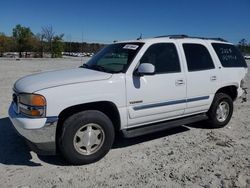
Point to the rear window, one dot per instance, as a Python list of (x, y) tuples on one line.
[(229, 55)]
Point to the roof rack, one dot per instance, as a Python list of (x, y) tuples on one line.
[(173, 36), (219, 39), (186, 36)]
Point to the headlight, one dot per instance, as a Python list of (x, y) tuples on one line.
[(32, 105)]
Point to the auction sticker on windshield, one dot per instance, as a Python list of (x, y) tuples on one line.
[(130, 46)]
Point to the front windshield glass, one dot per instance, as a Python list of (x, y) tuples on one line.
[(114, 58)]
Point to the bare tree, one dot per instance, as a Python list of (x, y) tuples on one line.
[(48, 34), (40, 38)]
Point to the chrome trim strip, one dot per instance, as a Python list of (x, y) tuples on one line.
[(159, 104), (27, 106), (142, 107), (197, 98)]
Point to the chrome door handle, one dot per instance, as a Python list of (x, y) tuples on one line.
[(213, 78), (179, 82)]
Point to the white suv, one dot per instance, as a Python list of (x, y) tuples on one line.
[(136, 87)]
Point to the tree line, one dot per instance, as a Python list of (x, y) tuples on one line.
[(82, 47), (244, 47), (23, 41)]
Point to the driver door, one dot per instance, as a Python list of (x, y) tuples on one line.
[(158, 97)]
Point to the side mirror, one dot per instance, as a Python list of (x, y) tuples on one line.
[(146, 69)]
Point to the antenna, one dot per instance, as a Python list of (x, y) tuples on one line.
[(140, 37), (69, 44)]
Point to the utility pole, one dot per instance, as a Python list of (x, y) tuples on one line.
[(70, 45), (82, 48)]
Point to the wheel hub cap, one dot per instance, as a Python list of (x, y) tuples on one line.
[(88, 139), (222, 111)]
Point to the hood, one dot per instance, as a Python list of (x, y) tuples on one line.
[(35, 82)]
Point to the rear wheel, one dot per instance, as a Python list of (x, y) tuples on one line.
[(220, 111), (86, 137)]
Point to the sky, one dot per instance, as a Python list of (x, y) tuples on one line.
[(107, 20)]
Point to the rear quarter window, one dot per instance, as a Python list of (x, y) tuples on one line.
[(229, 55)]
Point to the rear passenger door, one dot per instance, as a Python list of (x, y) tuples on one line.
[(202, 77)]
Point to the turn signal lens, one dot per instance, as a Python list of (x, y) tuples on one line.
[(38, 100), (35, 113)]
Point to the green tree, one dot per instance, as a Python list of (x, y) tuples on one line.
[(2, 44), (23, 38), (244, 47), (57, 46), (5, 44)]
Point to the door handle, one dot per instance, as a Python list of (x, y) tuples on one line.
[(179, 82), (213, 78)]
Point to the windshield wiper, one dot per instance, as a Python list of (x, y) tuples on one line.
[(103, 69), (85, 66), (98, 68), (93, 67)]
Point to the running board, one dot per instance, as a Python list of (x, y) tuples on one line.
[(156, 127)]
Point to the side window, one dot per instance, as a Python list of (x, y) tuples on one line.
[(198, 57), (229, 55), (163, 56)]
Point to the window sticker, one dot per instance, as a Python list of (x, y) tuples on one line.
[(227, 54), (130, 46)]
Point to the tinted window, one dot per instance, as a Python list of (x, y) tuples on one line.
[(198, 57), (163, 56), (229, 55), (114, 58)]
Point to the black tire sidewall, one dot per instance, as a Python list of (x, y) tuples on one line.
[(72, 125), (220, 97)]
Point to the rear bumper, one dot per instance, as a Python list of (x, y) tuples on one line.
[(240, 92), (40, 133)]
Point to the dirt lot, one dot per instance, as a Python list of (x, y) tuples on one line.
[(188, 156)]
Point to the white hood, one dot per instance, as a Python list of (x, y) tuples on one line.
[(35, 82)]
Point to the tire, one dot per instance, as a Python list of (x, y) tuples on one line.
[(86, 137), (218, 119)]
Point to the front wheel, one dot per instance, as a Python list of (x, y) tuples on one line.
[(220, 111), (86, 137)]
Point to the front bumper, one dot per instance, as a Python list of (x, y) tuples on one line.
[(39, 132)]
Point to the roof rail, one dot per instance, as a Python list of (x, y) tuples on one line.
[(186, 36), (172, 36), (219, 39)]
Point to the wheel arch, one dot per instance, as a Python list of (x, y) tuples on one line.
[(106, 107), (230, 90)]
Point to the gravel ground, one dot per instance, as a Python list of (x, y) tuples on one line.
[(188, 156)]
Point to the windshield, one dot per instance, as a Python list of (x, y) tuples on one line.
[(114, 58)]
